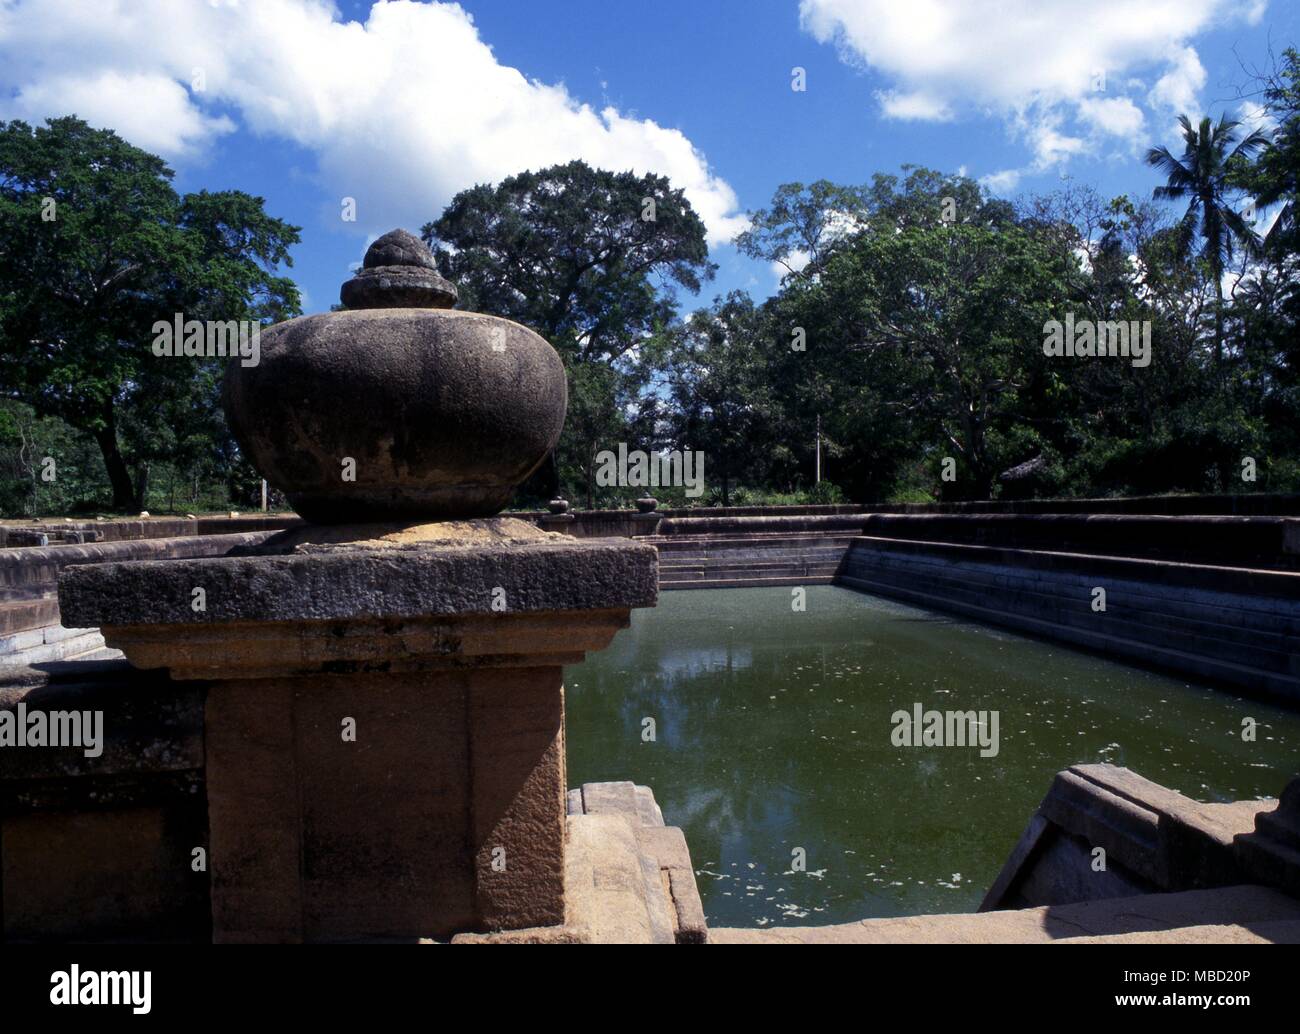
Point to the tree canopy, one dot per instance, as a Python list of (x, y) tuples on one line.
[(95, 247), (904, 344)]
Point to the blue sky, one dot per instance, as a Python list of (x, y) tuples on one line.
[(398, 105)]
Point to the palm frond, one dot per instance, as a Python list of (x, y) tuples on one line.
[(1175, 171), (1253, 144), (1241, 231)]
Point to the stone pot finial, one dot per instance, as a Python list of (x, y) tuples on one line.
[(398, 273), (399, 407)]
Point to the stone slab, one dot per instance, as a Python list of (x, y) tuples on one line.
[(348, 583), (1222, 915)]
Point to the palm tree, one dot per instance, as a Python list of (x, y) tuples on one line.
[(1200, 176)]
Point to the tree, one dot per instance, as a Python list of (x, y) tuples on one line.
[(802, 223), (922, 327), (572, 252), (720, 394), (95, 246), (1201, 177), (585, 257), (1274, 177), (1266, 305)]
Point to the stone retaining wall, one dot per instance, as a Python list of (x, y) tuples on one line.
[(1255, 542), (1219, 624), (103, 847), (1211, 597), (117, 847)]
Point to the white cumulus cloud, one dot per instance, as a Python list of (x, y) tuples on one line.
[(401, 111), (1062, 73), (1179, 88)]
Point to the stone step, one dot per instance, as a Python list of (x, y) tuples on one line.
[(103, 653), (1180, 579), (65, 644), (1072, 602), (756, 564), (1263, 621), (35, 611), (752, 556), (1250, 542), (784, 572), (706, 545), (1187, 662), (1203, 608)]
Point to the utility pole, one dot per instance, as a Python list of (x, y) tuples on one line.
[(819, 449), (264, 495)]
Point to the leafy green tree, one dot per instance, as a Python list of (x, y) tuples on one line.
[(574, 253), (589, 259), (1201, 178), (45, 466), (95, 246), (1274, 177), (922, 328), (720, 392), (1266, 304), (802, 223)]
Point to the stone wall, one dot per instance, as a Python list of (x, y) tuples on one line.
[(1255, 542), (1211, 597), (118, 847), (104, 847), (22, 533), (1235, 626), (30, 629)]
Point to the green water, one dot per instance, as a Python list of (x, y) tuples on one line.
[(773, 732)]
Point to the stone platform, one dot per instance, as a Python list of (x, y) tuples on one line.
[(1245, 914)]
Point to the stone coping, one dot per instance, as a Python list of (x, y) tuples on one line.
[(35, 569), (1162, 836), (346, 582)]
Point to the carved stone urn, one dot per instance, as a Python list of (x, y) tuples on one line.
[(397, 407)]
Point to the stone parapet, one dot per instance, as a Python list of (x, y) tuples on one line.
[(1271, 852)]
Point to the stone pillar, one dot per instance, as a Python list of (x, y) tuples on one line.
[(385, 719)]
